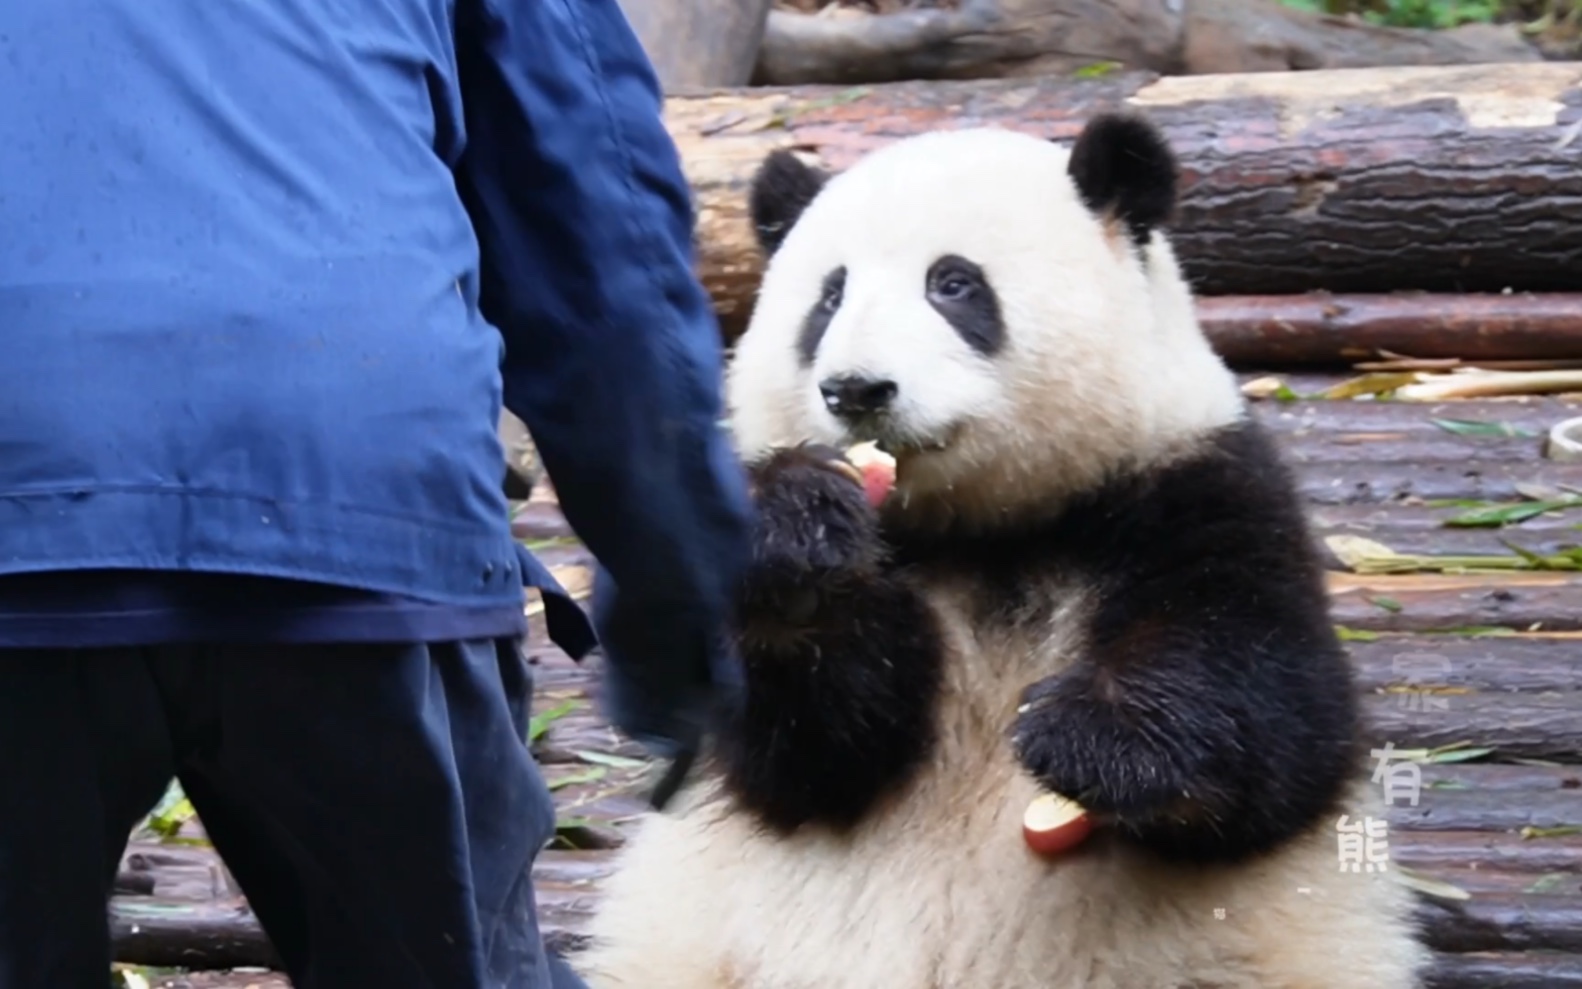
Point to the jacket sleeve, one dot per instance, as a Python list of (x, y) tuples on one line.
[(612, 351)]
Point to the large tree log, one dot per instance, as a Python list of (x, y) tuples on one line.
[(1356, 180), (1329, 329), (1266, 36), (979, 39), (974, 40), (699, 43)]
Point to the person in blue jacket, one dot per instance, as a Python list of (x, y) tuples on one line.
[(267, 273)]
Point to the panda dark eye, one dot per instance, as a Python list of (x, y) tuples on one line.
[(961, 292), (954, 287), (951, 283), (832, 292)]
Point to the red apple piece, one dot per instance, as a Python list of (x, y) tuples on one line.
[(1052, 824), (877, 468)]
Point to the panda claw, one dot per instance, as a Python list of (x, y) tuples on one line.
[(847, 470)]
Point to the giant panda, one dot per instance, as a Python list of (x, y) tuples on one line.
[(1093, 577)]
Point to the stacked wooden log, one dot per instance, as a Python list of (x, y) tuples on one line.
[(1366, 181), (863, 41)]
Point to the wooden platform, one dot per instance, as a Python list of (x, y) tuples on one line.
[(1486, 666)]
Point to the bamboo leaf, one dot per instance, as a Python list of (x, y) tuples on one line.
[(1458, 755), (590, 775), (1355, 550), (1096, 70), (1547, 883), (551, 542), (1538, 561), (539, 723), (613, 761), (132, 980), (1470, 427), (1371, 384), (1365, 556), (1345, 634), (1430, 886), (1493, 516), (1564, 830)]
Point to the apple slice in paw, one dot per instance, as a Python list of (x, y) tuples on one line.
[(877, 468), (1052, 824)]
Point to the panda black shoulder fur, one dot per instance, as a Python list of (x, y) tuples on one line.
[(1093, 577)]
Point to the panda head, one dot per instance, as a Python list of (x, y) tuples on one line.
[(1000, 313)]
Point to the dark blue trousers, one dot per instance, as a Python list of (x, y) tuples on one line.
[(377, 803)]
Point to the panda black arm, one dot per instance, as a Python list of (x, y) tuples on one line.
[(1212, 714), (842, 658)]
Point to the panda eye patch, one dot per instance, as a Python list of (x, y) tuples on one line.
[(959, 291), (817, 320)]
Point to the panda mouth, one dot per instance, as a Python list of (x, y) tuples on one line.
[(897, 447), (898, 444)]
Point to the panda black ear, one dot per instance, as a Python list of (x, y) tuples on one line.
[(781, 190), (1123, 167)]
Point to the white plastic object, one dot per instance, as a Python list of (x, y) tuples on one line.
[(1565, 441)]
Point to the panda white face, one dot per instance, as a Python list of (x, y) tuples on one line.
[(996, 311)]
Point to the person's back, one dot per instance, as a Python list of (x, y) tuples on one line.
[(260, 266), (233, 237)]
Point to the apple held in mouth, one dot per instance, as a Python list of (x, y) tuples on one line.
[(877, 469), (1052, 824)]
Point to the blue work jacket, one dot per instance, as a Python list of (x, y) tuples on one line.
[(269, 269)]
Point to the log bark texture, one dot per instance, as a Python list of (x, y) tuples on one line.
[(171, 933), (1505, 970), (976, 39), (1329, 329), (1527, 726), (699, 43), (981, 39), (1347, 181), (1266, 36)]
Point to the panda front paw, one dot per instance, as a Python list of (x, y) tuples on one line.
[(1120, 750), (814, 520)]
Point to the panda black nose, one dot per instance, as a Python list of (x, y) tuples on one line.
[(854, 396)]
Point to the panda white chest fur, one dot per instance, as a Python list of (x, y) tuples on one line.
[(1092, 578)]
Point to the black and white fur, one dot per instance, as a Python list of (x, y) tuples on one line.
[(1093, 577)]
